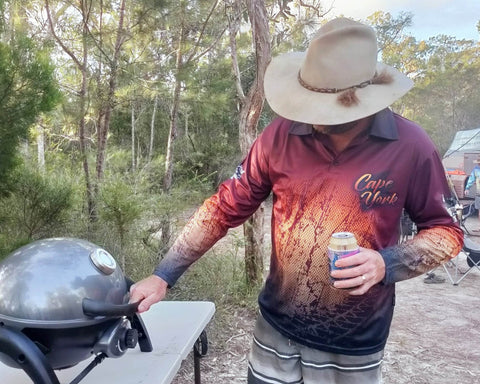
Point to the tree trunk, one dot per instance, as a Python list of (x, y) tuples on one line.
[(180, 64), (91, 202), (41, 147), (82, 95), (152, 129), (133, 135), (251, 107), (172, 136), (167, 181), (254, 248), (183, 58), (104, 126)]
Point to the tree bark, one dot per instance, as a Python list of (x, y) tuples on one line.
[(82, 95), (172, 135), (254, 248), (251, 107), (91, 201), (133, 135), (152, 128), (41, 147), (104, 126)]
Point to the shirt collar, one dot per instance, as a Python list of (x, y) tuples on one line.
[(383, 126)]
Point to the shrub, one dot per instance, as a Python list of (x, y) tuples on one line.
[(120, 208), (37, 206)]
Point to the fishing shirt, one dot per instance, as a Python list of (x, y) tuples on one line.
[(316, 192)]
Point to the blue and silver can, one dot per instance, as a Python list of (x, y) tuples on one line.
[(342, 244)]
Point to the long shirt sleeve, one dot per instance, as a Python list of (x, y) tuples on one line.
[(438, 239), (236, 200)]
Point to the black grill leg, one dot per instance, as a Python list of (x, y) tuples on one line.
[(200, 349)]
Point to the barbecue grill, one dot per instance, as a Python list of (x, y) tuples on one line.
[(62, 301)]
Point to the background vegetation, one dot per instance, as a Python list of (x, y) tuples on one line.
[(119, 117)]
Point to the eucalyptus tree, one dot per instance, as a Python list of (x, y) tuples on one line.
[(446, 95), (251, 106), (445, 70), (193, 33), (192, 30), (281, 25), (92, 35), (78, 51)]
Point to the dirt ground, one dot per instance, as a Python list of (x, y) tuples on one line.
[(434, 338)]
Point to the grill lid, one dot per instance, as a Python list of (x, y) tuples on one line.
[(43, 284)]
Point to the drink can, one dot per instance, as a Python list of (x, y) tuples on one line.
[(342, 244)]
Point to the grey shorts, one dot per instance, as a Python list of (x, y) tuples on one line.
[(274, 359)]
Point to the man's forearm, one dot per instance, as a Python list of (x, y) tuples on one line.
[(427, 250)]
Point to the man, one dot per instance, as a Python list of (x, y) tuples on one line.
[(336, 160), (474, 178)]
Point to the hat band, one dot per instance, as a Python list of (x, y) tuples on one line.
[(305, 85)]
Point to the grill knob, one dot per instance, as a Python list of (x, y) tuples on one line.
[(131, 338)]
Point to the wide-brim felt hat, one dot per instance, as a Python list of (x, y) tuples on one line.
[(337, 80)]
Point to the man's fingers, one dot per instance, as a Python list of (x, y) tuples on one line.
[(359, 272), (352, 282), (135, 295), (348, 273), (148, 292), (350, 261), (146, 304)]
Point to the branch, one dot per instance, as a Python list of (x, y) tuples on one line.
[(208, 48), (315, 9), (204, 26), (57, 39), (233, 27)]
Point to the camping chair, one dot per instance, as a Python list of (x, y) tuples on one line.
[(462, 213), (408, 229), (472, 251)]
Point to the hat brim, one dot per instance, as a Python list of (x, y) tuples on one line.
[(290, 100)]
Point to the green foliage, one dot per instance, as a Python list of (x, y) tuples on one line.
[(206, 163), (446, 72), (120, 206), (219, 276), (8, 245), (27, 88), (37, 207), (448, 79)]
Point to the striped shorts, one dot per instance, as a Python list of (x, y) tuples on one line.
[(274, 359)]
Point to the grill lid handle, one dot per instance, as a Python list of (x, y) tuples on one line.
[(94, 308)]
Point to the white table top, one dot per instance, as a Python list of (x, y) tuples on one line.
[(173, 326)]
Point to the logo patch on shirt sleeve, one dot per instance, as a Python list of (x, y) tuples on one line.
[(238, 172)]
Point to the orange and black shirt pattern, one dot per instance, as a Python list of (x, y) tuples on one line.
[(317, 192)]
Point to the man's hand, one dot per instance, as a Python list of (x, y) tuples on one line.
[(367, 269), (466, 192), (148, 291)]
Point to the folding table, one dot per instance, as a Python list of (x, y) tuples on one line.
[(175, 328)]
